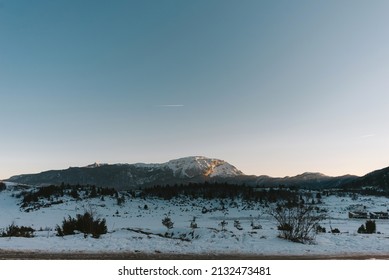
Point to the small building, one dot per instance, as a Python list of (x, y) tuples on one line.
[(379, 215), (358, 215)]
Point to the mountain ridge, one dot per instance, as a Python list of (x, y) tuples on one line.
[(128, 176), (193, 169), (377, 178)]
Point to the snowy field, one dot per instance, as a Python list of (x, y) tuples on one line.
[(135, 226)]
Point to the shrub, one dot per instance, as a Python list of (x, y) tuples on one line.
[(85, 223), (223, 225), (296, 222), (2, 186), (255, 225), (335, 230), (120, 200), (369, 227), (362, 229), (17, 231), (320, 229), (74, 193), (167, 222), (237, 225), (193, 223)]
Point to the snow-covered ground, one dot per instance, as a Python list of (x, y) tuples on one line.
[(146, 215)]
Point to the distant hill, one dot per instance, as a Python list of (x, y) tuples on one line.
[(196, 169), (307, 180), (378, 179)]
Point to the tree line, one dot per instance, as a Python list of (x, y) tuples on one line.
[(217, 190)]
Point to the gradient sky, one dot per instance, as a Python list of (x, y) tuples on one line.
[(273, 87)]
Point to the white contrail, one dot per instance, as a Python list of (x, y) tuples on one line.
[(367, 135), (170, 105)]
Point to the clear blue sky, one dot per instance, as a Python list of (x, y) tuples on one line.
[(273, 87)]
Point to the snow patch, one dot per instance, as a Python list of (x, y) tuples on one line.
[(199, 165), (208, 237)]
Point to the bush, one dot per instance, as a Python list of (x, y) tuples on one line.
[(2, 186), (369, 227), (296, 222), (85, 223), (17, 231), (335, 230), (237, 225), (320, 229), (255, 226), (167, 222), (362, 229), (193, 223), (74, 193), (223, 225), (120, 200)]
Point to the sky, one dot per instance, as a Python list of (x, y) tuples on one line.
[(272, 87)]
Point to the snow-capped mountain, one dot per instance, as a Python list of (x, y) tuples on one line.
[(190, 167), (126, 176)]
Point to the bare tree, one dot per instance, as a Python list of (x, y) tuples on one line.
[(297, 222)]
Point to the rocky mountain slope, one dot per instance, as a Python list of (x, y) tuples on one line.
[(129, 176)]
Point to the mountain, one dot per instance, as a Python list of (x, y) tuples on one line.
[(195, 169), (191, 167), (129, 176), (306, 180), (378, 178)]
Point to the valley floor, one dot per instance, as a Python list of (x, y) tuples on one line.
[(135, 231)]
